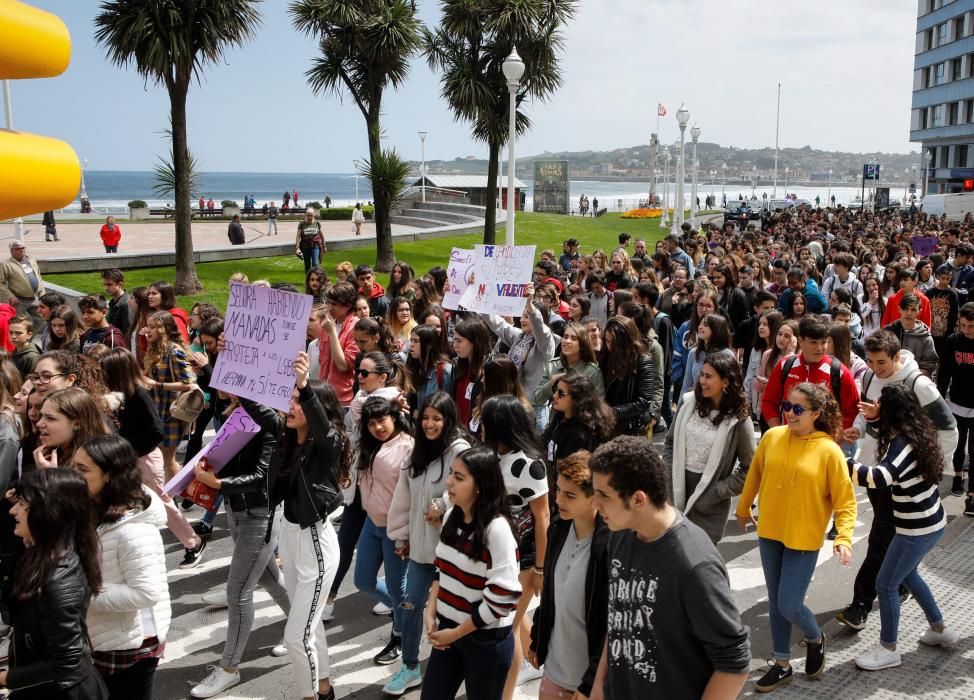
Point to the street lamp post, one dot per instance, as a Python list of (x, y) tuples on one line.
[(694, 136), (754, 180), (422, 168), (513, 70), (713, 185), (723, 184), (913, 179), (663, 220), (787, 170), (926, 176), (682, 117), (828, 201)]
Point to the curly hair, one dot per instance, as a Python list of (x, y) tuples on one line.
[(821, 399), (633, 464), (169, 336), (733, 401), (900, 414), (589, 407)]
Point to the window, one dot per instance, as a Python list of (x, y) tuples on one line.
[(923, 118), (959, 28), (938, 116), (944, 151), (942, 34), (969, 112), (955, 73), (960, 159), (928, 39), (939, 74), (952, 113)]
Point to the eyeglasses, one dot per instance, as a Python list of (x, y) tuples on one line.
[(560, 394), (796, 408), (42, 378), (364, 373)]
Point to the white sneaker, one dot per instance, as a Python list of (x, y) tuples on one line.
[(947, 638), (878, 658), (215, 683), (216, 598), (381, 609), (279, 649), (528, 673), (328, 613)]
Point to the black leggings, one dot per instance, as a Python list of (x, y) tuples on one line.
[(132, 683), (353, 519)]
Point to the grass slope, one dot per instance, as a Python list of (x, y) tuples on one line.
[(542, 230)]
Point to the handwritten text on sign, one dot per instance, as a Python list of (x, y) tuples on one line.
[(502, 274), (458, 275), (264, 330)]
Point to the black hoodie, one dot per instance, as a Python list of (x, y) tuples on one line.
[(956, 376)]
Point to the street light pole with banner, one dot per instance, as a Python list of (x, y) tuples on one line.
[(870, 171)]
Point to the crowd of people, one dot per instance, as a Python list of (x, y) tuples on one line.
[(499, 471)]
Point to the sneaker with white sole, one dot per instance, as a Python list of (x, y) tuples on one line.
[(328, 612), (216, 598), (279, 649), (193, 557), (947, 638), (215, 683), (381, 609), (404, 679), (878, 658), (528, 673)]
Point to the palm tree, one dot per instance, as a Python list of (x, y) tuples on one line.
[(170, 42), (469, 48), (365, 47), (164, 173)]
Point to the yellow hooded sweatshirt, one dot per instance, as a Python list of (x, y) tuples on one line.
[(799, 482)]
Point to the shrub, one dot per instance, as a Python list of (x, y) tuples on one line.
[(315, 205), (343, 213), (139, 204), (229, 203)]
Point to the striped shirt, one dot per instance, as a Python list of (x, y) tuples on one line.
[(485, 589), (916, 502)]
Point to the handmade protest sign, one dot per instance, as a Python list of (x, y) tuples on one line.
[(264, 330), (924, 245), (502, 273), (237, 431), (458, 274)]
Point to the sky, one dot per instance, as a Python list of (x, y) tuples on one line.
[(845, 69)]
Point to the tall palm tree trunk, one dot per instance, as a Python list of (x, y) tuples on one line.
[(385, 257), (490, 217), (187, 282)]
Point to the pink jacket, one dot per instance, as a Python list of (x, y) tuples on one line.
[(378, 485)]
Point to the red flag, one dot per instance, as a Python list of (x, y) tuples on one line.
[(660, 110)]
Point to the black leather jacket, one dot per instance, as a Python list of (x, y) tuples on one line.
[(632, 397), (50, 652), (596, 597), (244, 479), (309, 488)]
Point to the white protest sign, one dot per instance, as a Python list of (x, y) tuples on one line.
[(458, 275), (502, 274), (264, 330)]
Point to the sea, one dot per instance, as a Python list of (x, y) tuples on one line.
[(110, 190)]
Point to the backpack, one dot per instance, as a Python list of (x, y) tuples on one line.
[(835, 374), (911, 379)]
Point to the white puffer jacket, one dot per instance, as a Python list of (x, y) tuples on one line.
[(133, 567)]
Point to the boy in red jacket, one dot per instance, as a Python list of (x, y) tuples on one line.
[(908, 285)]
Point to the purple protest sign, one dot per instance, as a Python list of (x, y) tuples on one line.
[(264, 330), (924, 245), (236, 431)]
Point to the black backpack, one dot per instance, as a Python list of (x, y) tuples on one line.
[(835, 374)]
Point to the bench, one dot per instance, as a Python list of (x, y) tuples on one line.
[(600, 212), (169, 213)]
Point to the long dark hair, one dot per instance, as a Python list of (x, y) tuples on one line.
[(397, 290), (325, 393), (373, 408), (589, 408), (121, 372), (123, 492), (61, 518), (505, 421), (474, 330), (485, 470), (437, 310), (627, 346), (900, 414), (720, 334), (733, 402), (393, 369), (774, 319), (430, 355), (72, 327), (76, 404), (425, 451), (377, 326), (167, 295)]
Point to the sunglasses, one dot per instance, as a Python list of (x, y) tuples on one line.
[(796, 408), (364, 373)]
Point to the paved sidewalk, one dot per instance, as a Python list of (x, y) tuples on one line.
[(927, 672)]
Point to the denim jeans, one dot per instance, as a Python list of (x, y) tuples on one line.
[(415, 592), (480, 659), (375, 549), (787, 573), (312, 256), (900, 566), (251, 557)]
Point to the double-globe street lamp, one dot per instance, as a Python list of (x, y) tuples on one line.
[(663, 220), (682, 117), (694, 136), (513, 68), (422, 167)]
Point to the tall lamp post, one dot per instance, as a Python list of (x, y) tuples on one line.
[(787, 170), (913, 178), (754, 181), (926, 176), (682, 117), (723, 185), (663, 219), (694, 136), (828, 201), (513, 70), (713, 185), (422, 168)]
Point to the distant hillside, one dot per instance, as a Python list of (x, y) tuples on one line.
[(804, 163)]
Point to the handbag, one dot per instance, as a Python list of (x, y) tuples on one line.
[(188, 405), (199, 493)]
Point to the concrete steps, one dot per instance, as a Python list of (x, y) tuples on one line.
[(417, 221), (467, 209), (433, 214)]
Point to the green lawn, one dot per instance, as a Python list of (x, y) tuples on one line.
[(542, 230)]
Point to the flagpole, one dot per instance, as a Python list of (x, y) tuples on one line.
[(777, 127), (654, 149)]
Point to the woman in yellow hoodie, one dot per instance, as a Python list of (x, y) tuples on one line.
[(800, 477)]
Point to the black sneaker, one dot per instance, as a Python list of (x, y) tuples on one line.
[(833, 533), (853, 617), (774, 678), (904, 595), (969, 506), (391, 653), (186, 504), (957, 486), (193, 556), (330, 695), (815, 657), (202, 529)]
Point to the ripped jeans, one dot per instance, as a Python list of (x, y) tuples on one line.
[(415, 593)]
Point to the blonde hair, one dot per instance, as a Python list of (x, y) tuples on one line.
[(345, 268), (239, 277), (261, 283), (169, 335)]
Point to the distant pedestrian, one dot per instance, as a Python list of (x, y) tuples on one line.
[(202, 204), (286, 199), (50, 227), (235, 231), (358, 218), (327, 201), (209, 206), (20, 281), (295, 198), (271, 219), (309, 244), (833, 201), (111, 234), (595, 207)]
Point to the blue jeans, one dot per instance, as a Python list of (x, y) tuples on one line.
[(415, 592), (787, 573), (541, 416), (480, 659), (900, 567), (375, 550), (312, 256)]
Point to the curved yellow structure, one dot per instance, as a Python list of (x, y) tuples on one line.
[(36, 173)]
